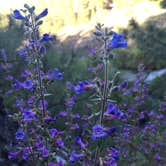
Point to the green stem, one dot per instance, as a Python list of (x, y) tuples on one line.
[(105, 92), (105, 95), (39, 78)]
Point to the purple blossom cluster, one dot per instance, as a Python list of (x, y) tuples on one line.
[(108, 132)]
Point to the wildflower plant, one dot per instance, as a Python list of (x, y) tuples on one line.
[(105, 112), (106, 132), (35, 135)]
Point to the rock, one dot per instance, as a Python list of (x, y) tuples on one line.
[(128, 75), (154, 74)]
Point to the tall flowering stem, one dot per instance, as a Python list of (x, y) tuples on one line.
[(117, 41), (37, 60), (35, 130), (105, 91)]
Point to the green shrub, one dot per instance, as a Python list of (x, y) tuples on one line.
[(157, 87), (146, 44)]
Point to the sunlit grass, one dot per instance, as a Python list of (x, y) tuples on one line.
[(62, 13)]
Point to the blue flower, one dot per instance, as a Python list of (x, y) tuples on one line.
[(18, 15), (74, 156), (13, 155), (17, 84), (79, 141), (111, 130), (54, 132), (45, 152), (122, 85), (26, 152), (113, 153), (42, 14), (23, 52), (27, 84), (45, 38), (54, 73), (42, 50), (39, 144), (113, 111), (69, 102), (28, 115), (98, 132), (20, 134), (60, 142), (3, 54), (117, 41), (79, 88), (82, 86), (43, 103)]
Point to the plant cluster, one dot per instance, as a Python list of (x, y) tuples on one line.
[(106, 133)]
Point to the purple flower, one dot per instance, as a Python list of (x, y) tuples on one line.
[(113, 153), (19, 104), (41, 104), (157, 157), (13, 155), (31, 100), (79, 141), (45, 38), (91, 69), (53, 164), (39, 144), (18, 15), (69, 102), (26, 152), (82, 86), (111, 130), (74, 126), (42, 50), (54, 132), (28, 115), (3, 54), (122, 85), (117, 41), (26, 73), (88, 106), (75, 116), (85, 117), (20, 134), (111, 108), (74, 156), (23, 52), (127, 92), (100, 67), (113, 111), (17, 84), (98, 132), (9, 77), (79, 88), (63, 113), (42, 14), (60, 142), (27, 84), (54, 73), (45, 152), (92, 51), (111, 162), (48, 119)]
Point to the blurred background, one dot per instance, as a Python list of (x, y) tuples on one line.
[(72, 22)]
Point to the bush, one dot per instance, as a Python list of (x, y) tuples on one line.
[(146, 44), (157, 87)]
